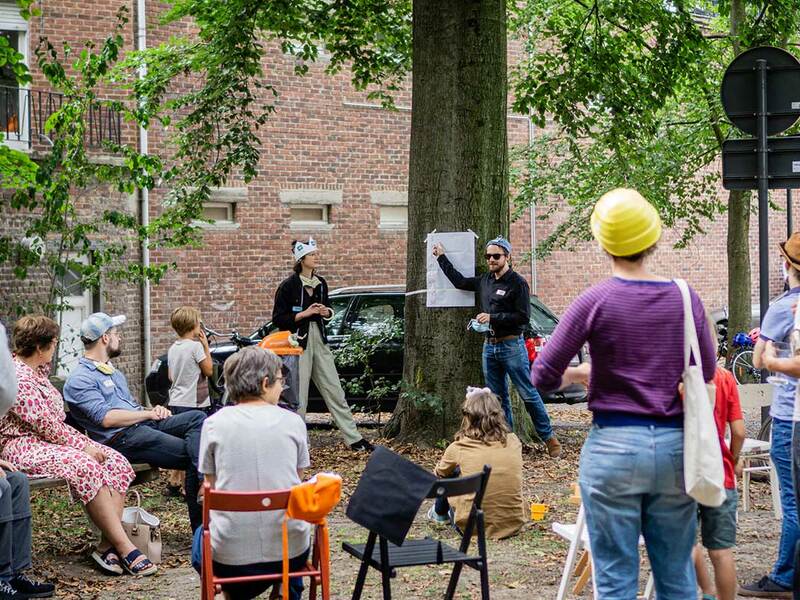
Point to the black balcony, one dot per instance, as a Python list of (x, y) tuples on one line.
[(23, 114)]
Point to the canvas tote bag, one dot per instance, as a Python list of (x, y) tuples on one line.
[(143, 529), (703, 474)]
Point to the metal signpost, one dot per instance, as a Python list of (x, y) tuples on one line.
[(761, 97)]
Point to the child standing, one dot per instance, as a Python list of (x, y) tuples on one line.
[(484, 439), (718, 524), (190, 366)]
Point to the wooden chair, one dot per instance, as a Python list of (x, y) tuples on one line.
[(317, 569), (387, 557), (755, 455)]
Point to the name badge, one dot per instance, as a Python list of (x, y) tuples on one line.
[(108, 383), (500, 292), (297, 309)]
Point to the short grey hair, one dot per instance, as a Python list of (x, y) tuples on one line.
[(245, 370)]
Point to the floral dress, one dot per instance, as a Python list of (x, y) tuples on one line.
[(34, 437)]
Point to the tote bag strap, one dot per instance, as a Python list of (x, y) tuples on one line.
[(691, 345)]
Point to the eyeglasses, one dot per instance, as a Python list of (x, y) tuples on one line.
[(493, 256)]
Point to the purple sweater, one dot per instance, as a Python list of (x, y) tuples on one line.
[(635, 335)]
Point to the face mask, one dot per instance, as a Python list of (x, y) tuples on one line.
[(784, 272), (478, 327)]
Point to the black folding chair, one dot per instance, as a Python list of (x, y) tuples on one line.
[(386, 557)]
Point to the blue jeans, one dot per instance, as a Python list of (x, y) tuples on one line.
[(15, 524), (631, 482), (510, 359), (781, 454), (240, 591)]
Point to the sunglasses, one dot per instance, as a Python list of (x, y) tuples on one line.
[(494, 256)]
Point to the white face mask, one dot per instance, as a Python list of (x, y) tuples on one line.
[(784, 271)]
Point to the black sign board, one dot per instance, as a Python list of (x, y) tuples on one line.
[(740, 163), (740, 86)]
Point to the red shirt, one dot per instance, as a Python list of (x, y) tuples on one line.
[(726, 410)]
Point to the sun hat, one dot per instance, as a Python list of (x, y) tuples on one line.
[(624, 223), (790, 249)]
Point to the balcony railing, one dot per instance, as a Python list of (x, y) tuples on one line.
[(23, 114)]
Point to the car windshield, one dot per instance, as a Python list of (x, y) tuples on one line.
[(542, 320)]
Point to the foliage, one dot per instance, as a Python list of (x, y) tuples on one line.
[(632, 90), (359, 350), (48, 193)]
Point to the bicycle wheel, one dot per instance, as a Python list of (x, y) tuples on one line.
[(743, 369)]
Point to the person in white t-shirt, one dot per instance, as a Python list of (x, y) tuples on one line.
[(250, 446), (190, 366)]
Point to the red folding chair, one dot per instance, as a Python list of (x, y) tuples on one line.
[(317, 569)]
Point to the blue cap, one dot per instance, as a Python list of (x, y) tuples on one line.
[(502, 242), (96, 324)]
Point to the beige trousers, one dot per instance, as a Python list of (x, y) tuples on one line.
[(316, 363)]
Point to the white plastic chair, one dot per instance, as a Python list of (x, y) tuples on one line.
[(753, 450), (578, 537)]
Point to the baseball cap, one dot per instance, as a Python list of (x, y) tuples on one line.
[(96, 324)]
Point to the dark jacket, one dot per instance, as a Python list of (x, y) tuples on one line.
[(506, 300), (290, 299)]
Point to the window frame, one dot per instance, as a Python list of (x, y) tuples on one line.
[(305, 223), (11, 20)]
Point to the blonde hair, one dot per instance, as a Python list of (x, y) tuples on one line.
[(184, 319), (483, 418)]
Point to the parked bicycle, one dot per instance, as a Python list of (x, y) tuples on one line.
[(741, 361)]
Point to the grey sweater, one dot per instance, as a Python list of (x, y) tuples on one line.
[(8, 375)]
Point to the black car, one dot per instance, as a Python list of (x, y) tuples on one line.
[(362, 308)]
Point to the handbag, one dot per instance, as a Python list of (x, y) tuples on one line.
[(703, 473), (143, 529)]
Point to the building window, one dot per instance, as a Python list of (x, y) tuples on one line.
[(14, 103), (220, 213), (309, 215), (394, 217)]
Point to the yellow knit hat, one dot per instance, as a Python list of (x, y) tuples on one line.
[(624, 223)]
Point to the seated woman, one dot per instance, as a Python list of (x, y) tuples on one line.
[(254, 445), (484, 439), (34, 437)]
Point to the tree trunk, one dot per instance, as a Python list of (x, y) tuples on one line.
[(739, 301), (457, 181)]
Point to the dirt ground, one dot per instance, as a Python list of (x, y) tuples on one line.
[(526, 566)]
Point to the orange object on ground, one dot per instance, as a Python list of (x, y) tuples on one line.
[(282, 343)]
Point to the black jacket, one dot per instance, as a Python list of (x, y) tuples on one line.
[(507, 300), (290, 299)]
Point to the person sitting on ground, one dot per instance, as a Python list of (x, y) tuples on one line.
[(190, 366), (254, 445), (99, 400), (718, 524), (34, 437), (15, 505), (484, 439)]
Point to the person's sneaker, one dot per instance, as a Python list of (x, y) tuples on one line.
[(362, 444), (553, 447), (764, 588), (9, 593), (28, 588), (436, 517)]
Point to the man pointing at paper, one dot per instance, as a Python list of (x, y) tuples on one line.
[(504, 300)]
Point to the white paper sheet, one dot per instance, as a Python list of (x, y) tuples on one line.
[(460, 249)]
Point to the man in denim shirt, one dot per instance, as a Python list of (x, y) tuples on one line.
[(777, 327), (100, 401)]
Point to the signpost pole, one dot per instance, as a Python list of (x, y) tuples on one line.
[(763, 190), (789, 219)]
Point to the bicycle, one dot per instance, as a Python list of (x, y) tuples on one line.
[(741, 364)]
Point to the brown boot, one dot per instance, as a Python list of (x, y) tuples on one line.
[(553, 447)]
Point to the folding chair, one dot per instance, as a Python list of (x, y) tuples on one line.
[(755, 455), (317, 569), (386, 557)]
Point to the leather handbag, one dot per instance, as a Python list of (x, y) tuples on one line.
[(143, 529)]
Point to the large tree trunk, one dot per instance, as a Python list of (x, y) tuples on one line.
[(739, 301), (457, 181)]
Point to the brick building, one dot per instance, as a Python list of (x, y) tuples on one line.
[(334, 166)]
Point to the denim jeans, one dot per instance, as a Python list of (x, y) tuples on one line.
[(172, 443), (510, 359), (15, 524), (796, 476), (631, 481), (781, 454)]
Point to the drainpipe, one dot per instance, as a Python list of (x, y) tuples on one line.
[(534, 280), (144, 196)]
